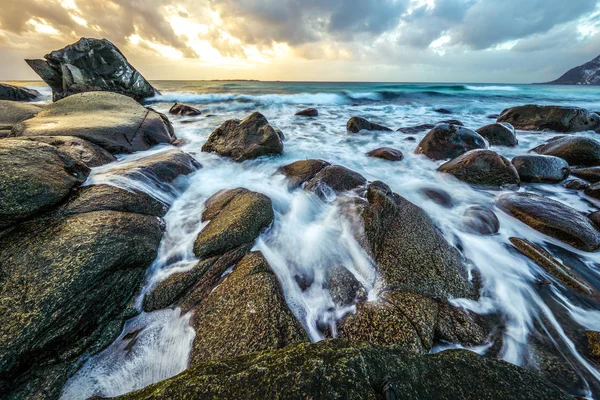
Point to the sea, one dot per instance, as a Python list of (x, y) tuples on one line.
[(310, 234)]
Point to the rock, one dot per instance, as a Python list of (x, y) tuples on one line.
[(480, 220), (357, 124), (532, 117), (595, 217), (12, 112), (17, 93), (451, 122), (454, 325), (554, 267), (590, 174), (336, 179), (247, 139), (499, 134), (343, 286), (552, 218), (449, 141), (410, 252), (91, 65), (236, 217), (576, 184), (493, 116), (443, 111), (576, 150), (280, 133), (244, 314), (79, 149), (411, 130), (483, 168), (586, 74), (161, 167), (33, 178), (541, 169), (438, 196), (593, 191), (67, 287), (112, 121), (593, 345), (386, 153), (110, 198), (184, 110), (340, 369), (300, 172), (309, 112), (410, 139)]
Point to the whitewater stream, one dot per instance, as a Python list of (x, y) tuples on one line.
[(309, 234)]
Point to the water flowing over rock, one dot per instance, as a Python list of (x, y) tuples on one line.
[(112, 121), (576, 150), (247, 139), (17, 93), (449, 141), (533, 117), (184, 110), (500, 134), (481, 220), (12, 112), (339, 369), (33, 178), (91, 65), (541, 169), (386, 153), (483, 168), (300, 172), (336, 179), (357, 124), (552, 218)]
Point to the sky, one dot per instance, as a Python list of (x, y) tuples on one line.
[(500, 41)]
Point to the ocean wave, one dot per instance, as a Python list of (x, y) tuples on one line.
[(266, 99), (493, 88)]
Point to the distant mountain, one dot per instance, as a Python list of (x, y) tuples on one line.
[(586, 74)]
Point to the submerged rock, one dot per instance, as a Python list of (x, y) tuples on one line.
[(339, 369), (443, 111), (449, 141), (593, 191), (309, 112), (576, 150), (17, 93), (33, 178), (576, 184), (79, 149), (499, 134), (91, 65), (552, 218), (302, 171), (533, 117), (112, 121), (12, 112), (184, 110), (247, 139), (386, 153), (357, 124), (481, 220), (541, 169), (411, 130), (483, 168), (67, 287)]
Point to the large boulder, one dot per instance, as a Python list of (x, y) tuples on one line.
[(79, 149), (12, 112), (33, 178), (532, 117), (483, 168), (17, 93), (243, 140), (541, 169), (340, 369), (499, 134), (357, 124), (66, 288), (576, 150), (449, 141), (91, 65), (552, 218), (112, 121)]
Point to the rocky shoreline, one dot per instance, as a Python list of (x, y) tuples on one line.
[(73, 256)]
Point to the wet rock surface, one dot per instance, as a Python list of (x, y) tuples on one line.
[(483, 168), (499, 134), (386, 153), (576, 150), (309, 112), (300, 172), (112, 121), (552, 218), (357, 124), (589, 174), (449, 141), (184, 110), (481, 220), (438, 196), (336, 179), (541, 169), (247, 139), (17, 93), (533, 117), (576, 184), (91, 65)]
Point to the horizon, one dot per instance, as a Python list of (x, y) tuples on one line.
[(392, 41)]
